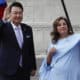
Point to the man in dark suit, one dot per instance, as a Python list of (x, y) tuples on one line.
[(17, 57)]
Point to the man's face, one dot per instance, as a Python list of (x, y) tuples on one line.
[(16, 15)]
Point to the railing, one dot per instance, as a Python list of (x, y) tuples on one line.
[(41, 35), (41, 38)]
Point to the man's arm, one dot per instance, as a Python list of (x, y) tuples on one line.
[(2, 24), (33, 59), (6, 14)]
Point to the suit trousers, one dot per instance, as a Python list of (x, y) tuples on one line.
[(18, 76)]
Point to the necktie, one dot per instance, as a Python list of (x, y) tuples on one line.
[(20, 42), (19, 37)]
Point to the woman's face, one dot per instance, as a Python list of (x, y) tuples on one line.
[(62, 28)]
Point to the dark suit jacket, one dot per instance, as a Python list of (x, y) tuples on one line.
[(10, 50)]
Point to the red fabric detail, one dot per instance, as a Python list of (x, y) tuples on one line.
[(2, 11)]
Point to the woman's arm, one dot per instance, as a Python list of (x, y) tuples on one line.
[(50, 54)]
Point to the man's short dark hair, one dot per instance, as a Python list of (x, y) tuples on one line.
[(16, 4)]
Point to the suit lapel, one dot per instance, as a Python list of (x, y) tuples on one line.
[(23, 32), (12, 35)]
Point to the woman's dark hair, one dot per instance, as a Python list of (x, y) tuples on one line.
[(55, 34), (15, 4)]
